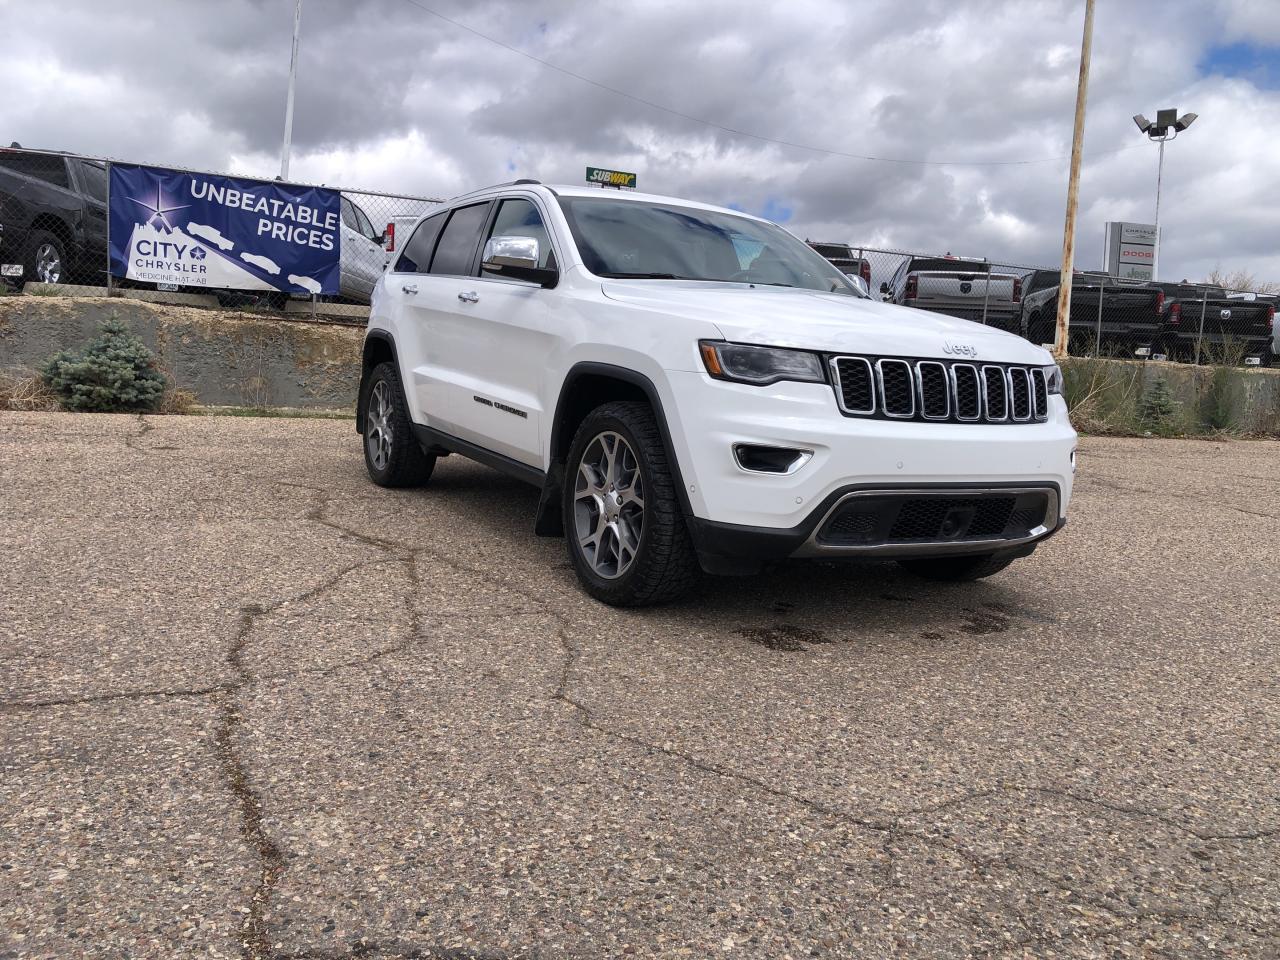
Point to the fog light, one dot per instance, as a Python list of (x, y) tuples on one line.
[(758, 458)]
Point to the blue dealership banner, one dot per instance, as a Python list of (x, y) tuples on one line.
[(202, 230)]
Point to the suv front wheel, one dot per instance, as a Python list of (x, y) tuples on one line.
[(627, 538), (392, 454)]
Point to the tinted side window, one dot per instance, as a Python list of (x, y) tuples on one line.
[(458, 242), (417, 252), (365, 226), (349, 216), (520, 218), (95, 180), (49, 169)]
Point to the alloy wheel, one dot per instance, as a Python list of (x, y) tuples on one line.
[(608, 505), (377, 426), (48, 263)]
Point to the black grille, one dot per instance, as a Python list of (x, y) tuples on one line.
[(935, 390), (897, 388), (1020, 393), (995, 396), (857, 388), (1040, 392), (911, 518), (939, 390), (968, 399), (851, 526), (945, 518)]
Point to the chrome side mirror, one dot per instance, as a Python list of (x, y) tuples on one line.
[(861, 284), (500, 252)]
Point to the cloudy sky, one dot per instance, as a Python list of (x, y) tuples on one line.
[(395, 98)]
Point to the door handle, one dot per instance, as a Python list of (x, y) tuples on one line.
[(469, 297), (410, 288)]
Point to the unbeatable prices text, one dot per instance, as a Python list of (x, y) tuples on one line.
[(308, 227)]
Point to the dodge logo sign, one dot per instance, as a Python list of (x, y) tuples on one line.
[(966, 287), (960, 349), (1225, 314)]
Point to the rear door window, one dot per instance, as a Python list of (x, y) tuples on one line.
[(456, 251), (417, 252), (95, 180), (38, 165)]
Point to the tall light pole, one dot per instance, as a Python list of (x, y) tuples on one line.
[(1073, 189), (1166, 127), (288, 104)]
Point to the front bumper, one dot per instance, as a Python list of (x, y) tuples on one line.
[(734, 548), (847, 452)]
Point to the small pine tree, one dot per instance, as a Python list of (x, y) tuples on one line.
[(114, 373), (1157, 406)]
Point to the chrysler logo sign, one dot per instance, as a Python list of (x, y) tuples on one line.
[(960, 349)]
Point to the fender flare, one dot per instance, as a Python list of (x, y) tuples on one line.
[(549, 522), (374, 334)]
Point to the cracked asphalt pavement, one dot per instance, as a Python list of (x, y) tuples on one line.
[(253, 706)]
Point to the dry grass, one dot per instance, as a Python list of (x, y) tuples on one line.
[(23, 389)]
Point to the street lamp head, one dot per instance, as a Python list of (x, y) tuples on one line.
[(1143, 123), (1184, 121)]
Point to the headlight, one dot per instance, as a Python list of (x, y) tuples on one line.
[(760, 366), (1053, 378)]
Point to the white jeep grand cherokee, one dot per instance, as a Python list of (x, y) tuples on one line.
[(691, 387)]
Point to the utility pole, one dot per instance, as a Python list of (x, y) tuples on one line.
[(1073, 190), (288, 104)]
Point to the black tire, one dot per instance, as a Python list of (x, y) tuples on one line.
[(39, 244), (663, 566), (956, 569), (400, 461)]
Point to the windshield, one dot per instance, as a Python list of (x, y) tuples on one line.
[(656, 241)]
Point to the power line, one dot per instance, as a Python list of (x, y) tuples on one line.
[(734, 130)]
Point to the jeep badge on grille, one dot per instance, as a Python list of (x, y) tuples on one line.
[(960, 349)]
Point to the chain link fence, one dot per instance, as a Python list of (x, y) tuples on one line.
[(54, 229), (1112, 317)]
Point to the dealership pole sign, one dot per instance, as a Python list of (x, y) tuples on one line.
[(1131, 250), (200, 230)]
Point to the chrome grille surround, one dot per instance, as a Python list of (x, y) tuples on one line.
[(895, 406), (861, 368), (908, 389)]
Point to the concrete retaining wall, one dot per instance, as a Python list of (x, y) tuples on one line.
[(228, 358), (225, 358), (1107, 395)]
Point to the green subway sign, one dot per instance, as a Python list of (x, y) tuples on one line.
[(610, 178)]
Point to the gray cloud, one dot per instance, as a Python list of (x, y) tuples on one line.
[(393, 98)]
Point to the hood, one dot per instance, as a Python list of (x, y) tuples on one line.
[(826, 322)]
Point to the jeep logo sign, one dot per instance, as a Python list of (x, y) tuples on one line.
[(960, 349)]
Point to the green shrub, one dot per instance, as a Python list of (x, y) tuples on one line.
[(114, 373), (1157, 407)]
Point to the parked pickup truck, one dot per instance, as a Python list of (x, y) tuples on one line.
[(1217, 325), (53, 218), (1115, 316), (841, 255), (959, 288), (695, 389)]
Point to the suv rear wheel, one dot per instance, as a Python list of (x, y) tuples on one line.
[(392, 454), (956, 569), (626, 536)]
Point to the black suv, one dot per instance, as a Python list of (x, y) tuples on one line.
[(53, 217)]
